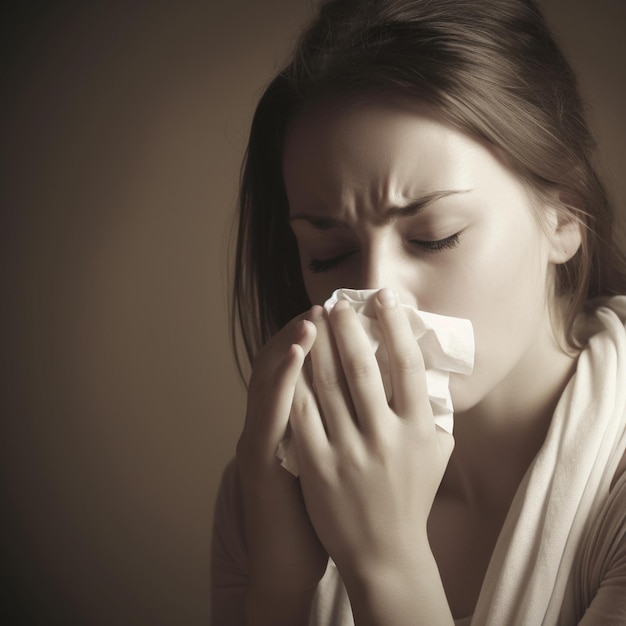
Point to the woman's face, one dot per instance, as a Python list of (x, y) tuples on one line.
[(383, 194)]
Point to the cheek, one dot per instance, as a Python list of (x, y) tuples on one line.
[(499, 277), (502, 291), (319, 287)]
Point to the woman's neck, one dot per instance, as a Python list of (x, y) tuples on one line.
[(497, 440)]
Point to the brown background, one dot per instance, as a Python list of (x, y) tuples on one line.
[(122, 129)]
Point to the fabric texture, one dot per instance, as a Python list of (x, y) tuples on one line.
[(566, 486), (560, 558)]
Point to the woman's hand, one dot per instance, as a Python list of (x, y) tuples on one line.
[(286, 558), (370, 468)]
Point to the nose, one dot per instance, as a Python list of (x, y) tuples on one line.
[(385, 268), (377, 271)]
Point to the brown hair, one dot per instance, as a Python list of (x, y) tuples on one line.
[(490, 68)]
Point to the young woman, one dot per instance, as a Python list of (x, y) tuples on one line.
[(436, 152)]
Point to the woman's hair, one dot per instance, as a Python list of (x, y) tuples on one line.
[(488, 67)]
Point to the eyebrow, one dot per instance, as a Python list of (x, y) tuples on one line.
[(407, 210)]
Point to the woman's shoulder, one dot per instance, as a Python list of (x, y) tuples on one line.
[(229, 562), (601, 576), (611, 520)]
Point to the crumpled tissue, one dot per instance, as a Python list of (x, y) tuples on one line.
[(447, 345)]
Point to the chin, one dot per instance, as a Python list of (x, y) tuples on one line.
[(464, 393)]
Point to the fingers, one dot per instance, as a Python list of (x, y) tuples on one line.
[(329, 380), (359, 365), (269, 357), (288, 372), (307, 426), (348, 392), (272, 387), (406, 364)]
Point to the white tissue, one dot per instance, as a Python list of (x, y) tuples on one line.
[(447, 345)]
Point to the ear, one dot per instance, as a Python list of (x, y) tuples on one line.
[(565, 236)]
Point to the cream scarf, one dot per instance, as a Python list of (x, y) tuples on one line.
[(527, 579)]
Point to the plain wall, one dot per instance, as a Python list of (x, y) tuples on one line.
[(122, 129)]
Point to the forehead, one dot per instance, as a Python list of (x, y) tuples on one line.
[(376, 149)]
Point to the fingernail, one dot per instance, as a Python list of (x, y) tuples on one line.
[(386, 297), (304, 326), (342, 305), (315, 313)]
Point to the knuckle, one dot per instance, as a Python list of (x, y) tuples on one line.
[(303, 404), (330, 378), (351, 464), (381, 445), (269, 354), (359, 368), (408, 362)]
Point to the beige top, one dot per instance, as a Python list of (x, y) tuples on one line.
[(598, 580)]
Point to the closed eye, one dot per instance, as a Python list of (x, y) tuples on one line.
[(317, 266), (437, 245)]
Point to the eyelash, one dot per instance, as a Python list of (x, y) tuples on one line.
[(318, 266), (440, 244)]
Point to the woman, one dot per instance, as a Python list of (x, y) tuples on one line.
[(436, 152)]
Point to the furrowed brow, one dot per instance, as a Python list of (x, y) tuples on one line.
[(415, 206), (411, 208)]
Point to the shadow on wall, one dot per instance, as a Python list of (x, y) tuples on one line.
[(123, 127)]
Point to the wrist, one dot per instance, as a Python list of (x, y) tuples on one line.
[(406, 590)]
